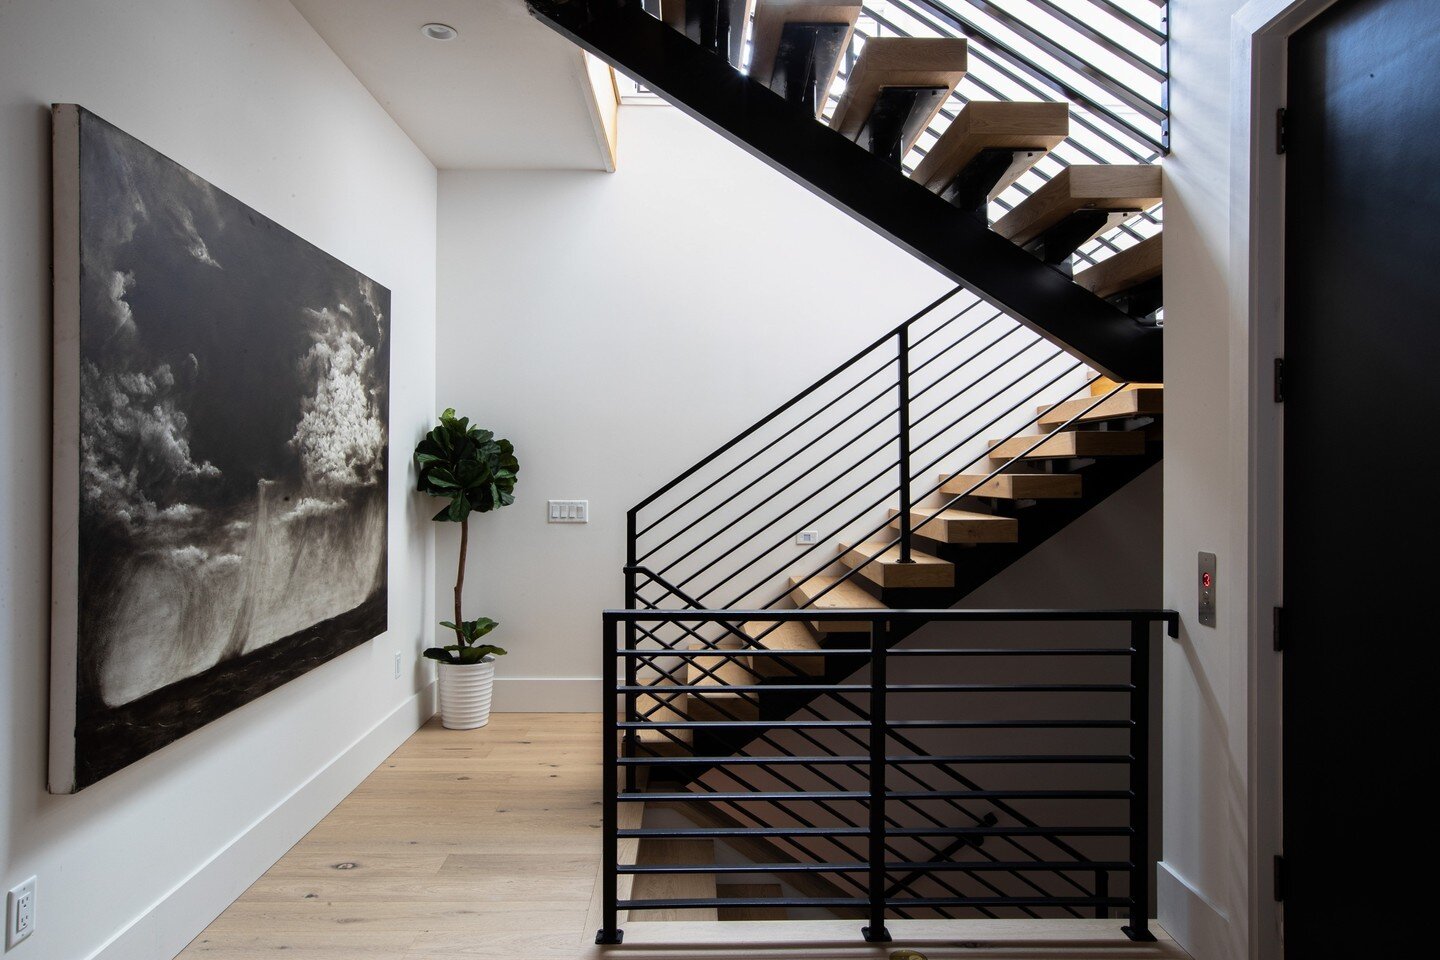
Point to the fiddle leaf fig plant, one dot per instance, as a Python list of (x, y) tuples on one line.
[(476, 473)]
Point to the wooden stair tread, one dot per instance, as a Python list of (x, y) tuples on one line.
[(670, 709), (1144, 402), (788, 635), (887, 571), (719, 672), (846, 594), (1072, 443), (954, 525), (1102, 385), (986, 124), (1090, 186), (770, 19), (898, 62), (1014, 486), (761, 850), (673, 13), (628, 816), (1128, 268), (750, 891), (670, 851), (722, 704)]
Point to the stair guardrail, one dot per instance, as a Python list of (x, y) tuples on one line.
[(884, 880), (689, 542)]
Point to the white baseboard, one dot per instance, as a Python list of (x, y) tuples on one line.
[(1197, 923), (169, 924), (547, 695)]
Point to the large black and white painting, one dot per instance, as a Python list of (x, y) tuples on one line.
[(221, 443)]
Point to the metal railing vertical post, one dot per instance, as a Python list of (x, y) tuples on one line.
[(632, 602), (879, 735), (1139, 926), (610, 817), (902, 346)]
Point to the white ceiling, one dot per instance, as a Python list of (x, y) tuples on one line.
[(505, 93)]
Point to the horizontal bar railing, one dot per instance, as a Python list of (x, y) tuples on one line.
[(872, 870)]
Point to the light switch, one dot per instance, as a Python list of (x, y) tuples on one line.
[(569, 511)]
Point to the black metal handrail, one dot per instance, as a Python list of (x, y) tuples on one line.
[(873, 870), (1016, 376)]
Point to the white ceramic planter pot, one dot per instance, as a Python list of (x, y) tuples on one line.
[(465, 690)]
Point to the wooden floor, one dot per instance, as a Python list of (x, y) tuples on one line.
[(486, 844)]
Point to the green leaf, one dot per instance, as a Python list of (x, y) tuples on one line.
[(475, 629), (459, 508)]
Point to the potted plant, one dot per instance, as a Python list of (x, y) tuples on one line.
[(476, 473)]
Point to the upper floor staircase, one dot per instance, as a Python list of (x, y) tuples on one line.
[(867, 121)]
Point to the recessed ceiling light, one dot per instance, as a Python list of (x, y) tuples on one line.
[(439, 31)]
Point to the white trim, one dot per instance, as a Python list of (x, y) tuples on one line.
[(1260, 33), (1196, 922), (165, 927), (601, 97), (547, 694)]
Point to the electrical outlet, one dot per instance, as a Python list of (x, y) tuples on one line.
[(807, 537), (20, 913), (397, 664), (568, 511)]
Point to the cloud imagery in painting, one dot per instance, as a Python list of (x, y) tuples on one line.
[(233, 440)]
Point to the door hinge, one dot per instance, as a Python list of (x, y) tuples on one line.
[(1277, 636), (1280, 879), (1281, 139), (1279, 379)]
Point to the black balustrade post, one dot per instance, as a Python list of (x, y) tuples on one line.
[(1139, 926), (609, 841), (632, 602), (902, 346), (879, 737)]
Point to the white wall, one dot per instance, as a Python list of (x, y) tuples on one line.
[(1204, 888), (245, 94), (618, 327)]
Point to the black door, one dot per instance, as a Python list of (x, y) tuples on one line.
[(1362, 475)]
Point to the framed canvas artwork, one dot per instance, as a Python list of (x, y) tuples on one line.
[(221, 442)]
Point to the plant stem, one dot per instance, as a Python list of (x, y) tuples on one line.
[(460, 579)]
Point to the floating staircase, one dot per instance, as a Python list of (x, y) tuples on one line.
[(980, 142), (1106, 440), (894, 94)]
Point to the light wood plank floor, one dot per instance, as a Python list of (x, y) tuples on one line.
[(486, 844)]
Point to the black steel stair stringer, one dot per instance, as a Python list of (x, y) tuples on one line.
[(864, 186)]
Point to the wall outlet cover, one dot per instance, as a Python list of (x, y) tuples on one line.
[(807, 537), (20, 913)]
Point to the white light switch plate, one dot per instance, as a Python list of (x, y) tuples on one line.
[(568, 511), (806, 537)]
